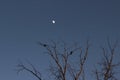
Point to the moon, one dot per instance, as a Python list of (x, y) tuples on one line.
[(53, 21)]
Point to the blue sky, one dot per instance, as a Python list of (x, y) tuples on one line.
[(24, 22)]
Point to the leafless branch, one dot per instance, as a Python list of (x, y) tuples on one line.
[(61, 59), (33, 71), (107, 66)]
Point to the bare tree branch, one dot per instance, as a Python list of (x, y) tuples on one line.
[(107, 66), (61, 59), (33, 71)]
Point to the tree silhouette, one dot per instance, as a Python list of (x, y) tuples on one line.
[(68, 62), (107, 66), (63, 65)]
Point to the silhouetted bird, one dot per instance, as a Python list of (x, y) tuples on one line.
[(71, 52), (44, 45)]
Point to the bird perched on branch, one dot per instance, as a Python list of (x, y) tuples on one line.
[(71, 52), (44, 45)]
